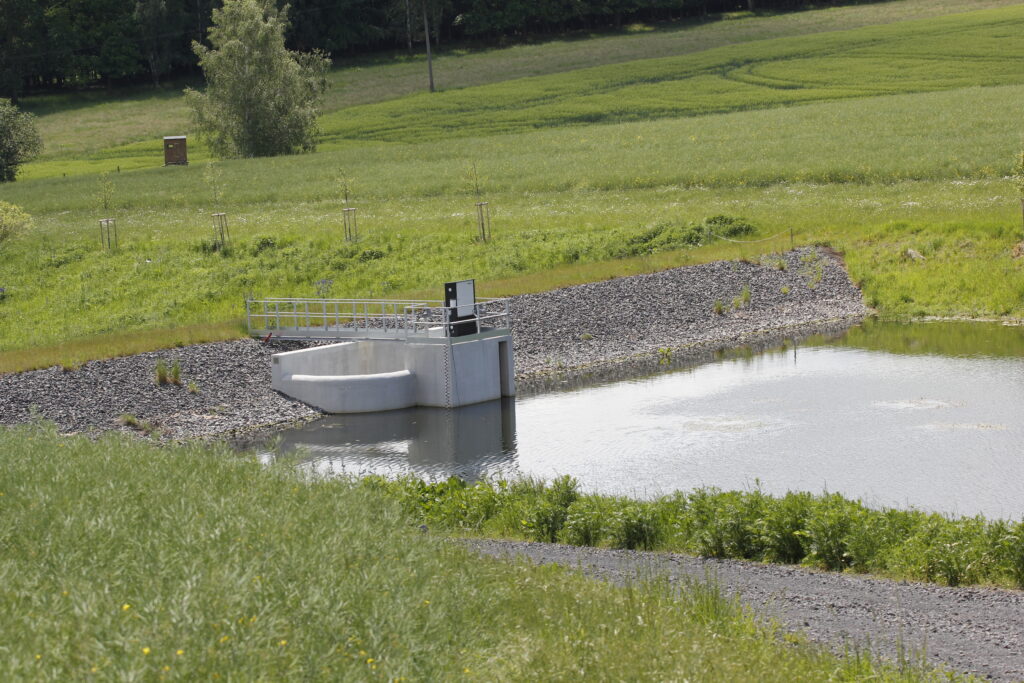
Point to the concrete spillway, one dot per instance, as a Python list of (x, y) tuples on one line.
[(374, 374)]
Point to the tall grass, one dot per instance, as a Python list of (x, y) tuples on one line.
[(60, 289), (826, 531), (130, 561)]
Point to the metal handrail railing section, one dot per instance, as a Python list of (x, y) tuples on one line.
[(365, 318)]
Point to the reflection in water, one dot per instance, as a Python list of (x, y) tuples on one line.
[(906, 426), (469, 442)]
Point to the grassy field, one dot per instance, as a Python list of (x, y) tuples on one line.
[(974, 49), (125, 561), (86, 122), (900, 136)]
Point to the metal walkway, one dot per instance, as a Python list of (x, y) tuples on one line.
[(374, 319)]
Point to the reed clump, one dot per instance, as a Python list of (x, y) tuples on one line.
[(826, 531)]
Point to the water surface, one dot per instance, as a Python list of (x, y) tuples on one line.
[(926, 415)]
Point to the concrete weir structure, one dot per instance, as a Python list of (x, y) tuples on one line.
[(390, 354)]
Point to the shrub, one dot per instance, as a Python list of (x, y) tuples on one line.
[(585, 522), (19, 140), (957, 551), (563, 491), (13, 221), (549, 512), (636, 525), (1012, 553), (263, 243), (783, 528), (727, 226), (828, 529), (545, 520), (726, 524), (371, 255)]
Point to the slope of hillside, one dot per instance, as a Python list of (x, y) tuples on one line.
[(872, 175)]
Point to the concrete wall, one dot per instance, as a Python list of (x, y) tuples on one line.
[(373, 375), (354, 393)]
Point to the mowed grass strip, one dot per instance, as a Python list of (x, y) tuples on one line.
[(968, 132), (980, 48), (125, 561)]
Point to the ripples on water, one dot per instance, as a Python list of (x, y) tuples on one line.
[(925, 415)]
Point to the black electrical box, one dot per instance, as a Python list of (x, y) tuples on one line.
[(460, 299)]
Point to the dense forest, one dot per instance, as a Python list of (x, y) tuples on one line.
[(58, 43)]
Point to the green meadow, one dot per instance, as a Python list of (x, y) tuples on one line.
[(130, 561), (871, 138), (873, 129)]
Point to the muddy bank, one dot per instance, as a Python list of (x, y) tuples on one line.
[(560, 336), (970, 630)]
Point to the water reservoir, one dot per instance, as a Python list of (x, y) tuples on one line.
[(924, 415)]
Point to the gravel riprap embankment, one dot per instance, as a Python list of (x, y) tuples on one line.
[(970, 630), (589, 325), (616, 319)]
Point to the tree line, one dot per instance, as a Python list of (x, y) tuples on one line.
[(47, 44)]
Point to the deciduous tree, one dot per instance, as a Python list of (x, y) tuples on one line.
[(19, 139), (261, 99)]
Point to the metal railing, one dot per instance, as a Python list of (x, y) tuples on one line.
[(368, 318)]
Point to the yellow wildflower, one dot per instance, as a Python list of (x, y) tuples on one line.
[(145, 650)]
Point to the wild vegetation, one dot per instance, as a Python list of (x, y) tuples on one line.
[(124, 560), (826, 531), (903, 140)]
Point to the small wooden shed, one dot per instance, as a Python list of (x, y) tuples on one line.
[(175, 151)]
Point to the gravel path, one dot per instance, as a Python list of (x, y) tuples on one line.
[(558, 335), (972, 630)]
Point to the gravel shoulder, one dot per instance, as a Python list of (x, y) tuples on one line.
[(560, 336), (969, 630)]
